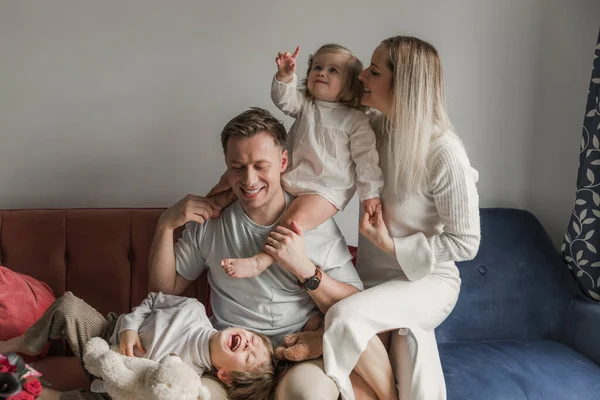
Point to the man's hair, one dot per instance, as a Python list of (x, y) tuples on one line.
[(252, 122), (255, 385)]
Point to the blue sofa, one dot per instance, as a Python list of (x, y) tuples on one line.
[(519, 330)]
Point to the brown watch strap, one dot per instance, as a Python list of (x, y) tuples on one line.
[(318, 274)]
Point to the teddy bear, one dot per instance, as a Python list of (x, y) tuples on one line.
[(133, 378), (304, 345)]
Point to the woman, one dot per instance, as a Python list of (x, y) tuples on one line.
[(407, 251)]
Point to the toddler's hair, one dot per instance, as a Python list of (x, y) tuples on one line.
[(257, 384), (352, 92)]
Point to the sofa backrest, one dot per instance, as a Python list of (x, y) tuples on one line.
[(516, 288), (101, 255)]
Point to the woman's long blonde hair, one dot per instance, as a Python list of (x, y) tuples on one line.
[(417, 110)]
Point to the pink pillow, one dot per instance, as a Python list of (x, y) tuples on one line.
[(23, 300)]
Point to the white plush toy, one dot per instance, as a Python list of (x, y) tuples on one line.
[(132, 378)]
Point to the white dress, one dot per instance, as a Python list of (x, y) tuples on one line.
[(332, 147), (414, 290)]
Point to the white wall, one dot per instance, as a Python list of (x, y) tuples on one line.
[(564, 69), (119, 103)]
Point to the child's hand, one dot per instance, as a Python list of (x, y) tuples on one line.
[(286, 65), (374, 229), (127, 340), (370, 205)]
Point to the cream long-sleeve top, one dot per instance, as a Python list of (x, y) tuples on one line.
[(170, 324), (333, 151), (433, 227)]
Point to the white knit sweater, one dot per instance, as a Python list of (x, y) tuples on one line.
[(432, 228)]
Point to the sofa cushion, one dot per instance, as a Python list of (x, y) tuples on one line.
[(515, 370), (23, 300), (516, 288)]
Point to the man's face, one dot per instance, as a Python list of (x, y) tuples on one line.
[(254, 167)]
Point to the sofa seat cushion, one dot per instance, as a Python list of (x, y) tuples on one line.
[(515, 370), (63, 373)]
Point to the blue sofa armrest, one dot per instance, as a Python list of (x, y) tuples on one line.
[(580, 328)]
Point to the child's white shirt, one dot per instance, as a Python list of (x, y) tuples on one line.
[(333, 151), (170, 324)]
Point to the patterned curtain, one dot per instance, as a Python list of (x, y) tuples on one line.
[(581, 246)]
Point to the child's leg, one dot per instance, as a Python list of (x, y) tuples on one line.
[(308, 211), (68, 317), (221, 194), (375, 369), (223, 199)]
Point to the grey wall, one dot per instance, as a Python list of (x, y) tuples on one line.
[(566, 52), (119, 103)]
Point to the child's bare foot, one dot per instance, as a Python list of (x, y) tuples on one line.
[(16, 345), (243, 267)]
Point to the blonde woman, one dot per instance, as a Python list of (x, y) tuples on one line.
[(429, 219)]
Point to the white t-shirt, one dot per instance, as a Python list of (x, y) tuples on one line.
[(270, 303)]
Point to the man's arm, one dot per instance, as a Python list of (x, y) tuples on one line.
[(330, 290), (287, 247), (163, 274)]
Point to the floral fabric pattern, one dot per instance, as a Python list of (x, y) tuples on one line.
[(581, 245)]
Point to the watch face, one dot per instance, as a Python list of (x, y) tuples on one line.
[(312, 283)]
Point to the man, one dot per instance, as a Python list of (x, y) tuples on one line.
[(280, 300)]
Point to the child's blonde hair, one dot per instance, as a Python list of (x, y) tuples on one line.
[(257, 384), (352, 92)]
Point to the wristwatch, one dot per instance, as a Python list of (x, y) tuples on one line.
[(313, 282)]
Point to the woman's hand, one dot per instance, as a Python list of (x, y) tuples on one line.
[(287, 247), (127, 340), (286, 65), (374, 229)]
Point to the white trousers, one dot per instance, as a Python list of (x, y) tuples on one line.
[(413, 310)]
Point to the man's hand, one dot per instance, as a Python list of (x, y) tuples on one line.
[(190, 208), (286, 65), (374, 229), (127, 341), (287, 247)]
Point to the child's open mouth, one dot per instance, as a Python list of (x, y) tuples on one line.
[(235, 342)]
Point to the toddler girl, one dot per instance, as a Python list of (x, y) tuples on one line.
[(332, 145)]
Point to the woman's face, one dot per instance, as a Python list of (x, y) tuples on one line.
[(377, 80)]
